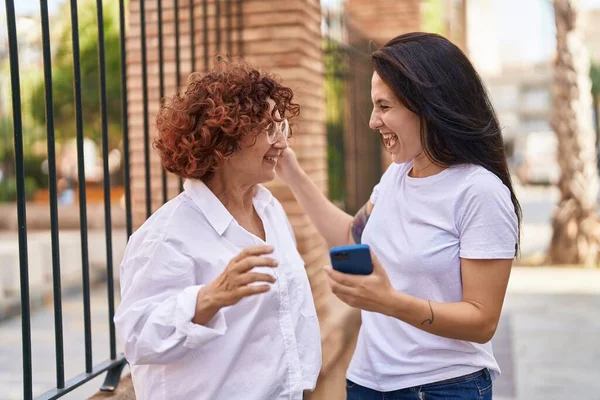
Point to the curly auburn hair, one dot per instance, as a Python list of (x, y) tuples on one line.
[(199, 129)]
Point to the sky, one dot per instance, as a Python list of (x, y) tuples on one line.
[(530, 34), (25, 7)]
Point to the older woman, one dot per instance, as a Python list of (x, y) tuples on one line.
[(216, 303)]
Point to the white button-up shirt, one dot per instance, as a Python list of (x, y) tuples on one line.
[(265, 347)]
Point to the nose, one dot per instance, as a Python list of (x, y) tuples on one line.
[(281, 142), (374, 121)]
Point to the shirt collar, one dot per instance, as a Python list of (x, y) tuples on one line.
[(212, 208), (262, 198)]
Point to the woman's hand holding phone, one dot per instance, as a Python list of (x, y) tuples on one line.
[(369, 292)]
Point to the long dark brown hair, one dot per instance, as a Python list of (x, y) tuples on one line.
[(435, 80)]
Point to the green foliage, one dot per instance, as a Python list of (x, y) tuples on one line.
[(433, 19), (335, 162), (6, 137), (334, 98), (595, 77), (62, 75), (8, 189), (32, 166)]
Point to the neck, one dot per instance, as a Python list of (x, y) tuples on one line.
[(235, 196), (424, 167)]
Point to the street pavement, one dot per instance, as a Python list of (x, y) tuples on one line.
[(537, 204), (43, 342), (547, 342)]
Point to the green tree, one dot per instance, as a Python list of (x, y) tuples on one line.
[(62, 75), (595, 77), (334, 97), (432, 12)]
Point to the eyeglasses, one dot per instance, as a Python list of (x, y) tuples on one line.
[(275, 128)]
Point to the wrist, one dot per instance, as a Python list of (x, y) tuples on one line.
[(394, 304), (207, 306)]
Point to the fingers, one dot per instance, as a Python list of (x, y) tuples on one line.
[(340, 277), (246, 291), (250, 262), (253, 251), (254, 277), (339, 289), (375, 262)]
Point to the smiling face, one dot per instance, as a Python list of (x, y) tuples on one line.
[(255, 162), (398, 126)]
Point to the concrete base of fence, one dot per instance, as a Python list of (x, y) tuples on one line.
[(38, 216), (39, 251)]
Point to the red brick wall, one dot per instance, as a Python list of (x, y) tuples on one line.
[(284, 37)]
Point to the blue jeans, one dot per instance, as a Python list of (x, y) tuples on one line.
[(475, 386)]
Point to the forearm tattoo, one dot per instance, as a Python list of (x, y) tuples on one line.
[(359, 222), (429, 320)]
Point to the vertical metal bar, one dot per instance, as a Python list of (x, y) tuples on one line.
[(124, 118), (106, 180), (58, 328), (355, 125), (229, 35), (177, 63), (218, 25), (145, 108), (192, 37), (239, 29), (192, 55), (82, 195), (11, 25), (161, 86), (205, 33), (177, 60)]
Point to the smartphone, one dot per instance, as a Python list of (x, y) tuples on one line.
[(352, 259)]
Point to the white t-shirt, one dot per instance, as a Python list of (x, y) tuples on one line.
[(266, 346), (419, 229)]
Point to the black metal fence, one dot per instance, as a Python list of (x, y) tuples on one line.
[(231, 12)]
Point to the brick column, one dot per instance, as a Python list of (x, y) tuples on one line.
[(284, 37)]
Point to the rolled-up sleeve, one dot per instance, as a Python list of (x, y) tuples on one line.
[(159, 293)]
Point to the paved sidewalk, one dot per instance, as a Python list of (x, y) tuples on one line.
[(547, 343), (44, 359)]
